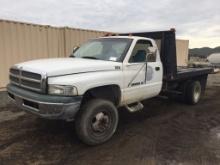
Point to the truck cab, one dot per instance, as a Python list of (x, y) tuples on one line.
[(142, 71), (88, 87)]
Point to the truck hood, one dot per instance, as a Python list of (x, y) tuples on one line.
[(63, 66)]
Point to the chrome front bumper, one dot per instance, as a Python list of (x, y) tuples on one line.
[(45, 106)]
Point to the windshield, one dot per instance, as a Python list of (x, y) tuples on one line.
[(108, 49)]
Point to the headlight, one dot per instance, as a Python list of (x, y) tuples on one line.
[(65, 90)]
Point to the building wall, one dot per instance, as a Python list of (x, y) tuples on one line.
[(75, 37), (21, 42)]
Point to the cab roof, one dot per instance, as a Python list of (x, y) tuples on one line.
[(129, 37)]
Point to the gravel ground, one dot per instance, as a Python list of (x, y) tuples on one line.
[(165, 132)]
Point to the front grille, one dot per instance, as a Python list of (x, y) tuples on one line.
[(31, 75), (28, 80)]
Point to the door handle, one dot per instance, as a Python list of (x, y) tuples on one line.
[(157, 68)]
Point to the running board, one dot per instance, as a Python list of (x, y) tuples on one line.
[(134, 108)]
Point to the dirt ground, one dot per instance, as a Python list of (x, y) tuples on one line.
[(165, 132)]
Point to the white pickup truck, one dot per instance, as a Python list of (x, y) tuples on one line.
[(102, 75)]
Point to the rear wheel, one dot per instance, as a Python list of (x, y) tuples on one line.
[(96, 122), (193, 92)]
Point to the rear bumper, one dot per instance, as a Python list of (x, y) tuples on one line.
[(45, 106)]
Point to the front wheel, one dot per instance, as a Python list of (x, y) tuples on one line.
[(96, 122)]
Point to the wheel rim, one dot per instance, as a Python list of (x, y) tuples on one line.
[(101, 123), (197, 93)]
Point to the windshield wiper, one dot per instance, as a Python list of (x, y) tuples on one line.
[(90, 57)]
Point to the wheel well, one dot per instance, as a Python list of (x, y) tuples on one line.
[(107, 92), (181, 86), (202, 79)]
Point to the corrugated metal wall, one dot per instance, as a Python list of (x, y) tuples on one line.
[(22, 42)]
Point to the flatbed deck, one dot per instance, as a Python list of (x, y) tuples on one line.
[(187, 72)]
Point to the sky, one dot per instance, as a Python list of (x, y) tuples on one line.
[(196, 20)]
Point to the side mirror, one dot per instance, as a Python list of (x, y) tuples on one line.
[(74, 50), (152, 54), (152, 50)]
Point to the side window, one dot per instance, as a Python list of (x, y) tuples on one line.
[(140, 52)]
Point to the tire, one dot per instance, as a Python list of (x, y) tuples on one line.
[(193, 92), (96, 122)]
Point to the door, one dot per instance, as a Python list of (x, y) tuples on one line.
[(142, 73)]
